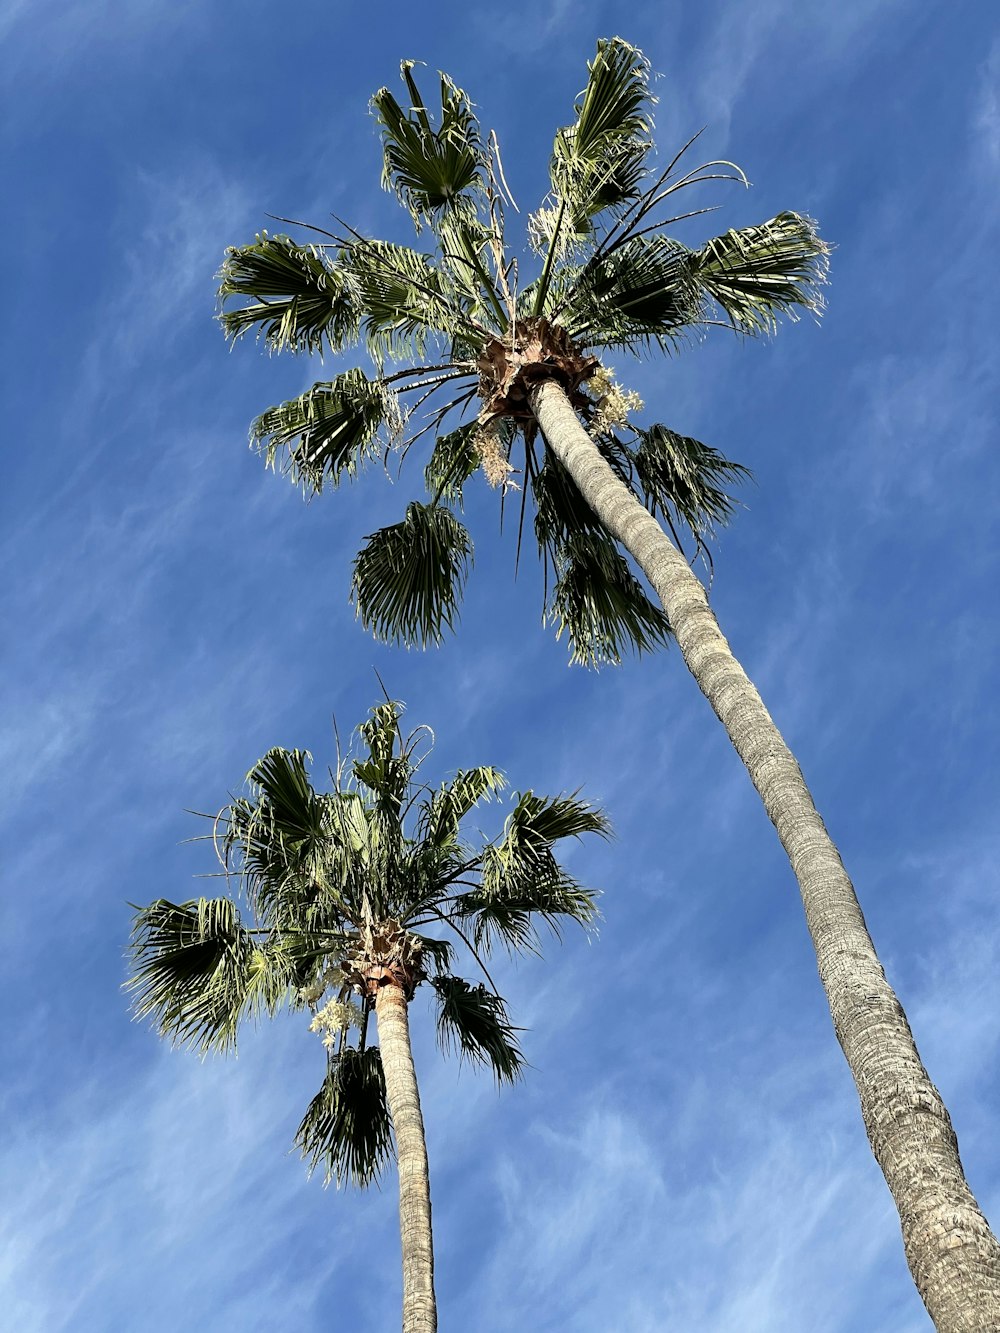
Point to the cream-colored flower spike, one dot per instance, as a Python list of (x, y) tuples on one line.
[(493, 456), (613, 402), (334, 1018)]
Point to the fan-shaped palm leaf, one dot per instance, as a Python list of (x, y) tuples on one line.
[(598, 161), (683, 478), (641, 292), (429, 167), (300, 300), (600, 604), (758, 273), (452, 462), (408, 578), (191, 974), (473, 1021), (329, 431), (346, 1128)]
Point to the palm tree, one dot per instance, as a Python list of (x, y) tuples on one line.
[(339, 888), (503, 371)]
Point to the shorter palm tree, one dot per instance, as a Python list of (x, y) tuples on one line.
[(336, 892)]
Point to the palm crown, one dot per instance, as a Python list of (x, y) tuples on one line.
[(336, 893), (457, 336)]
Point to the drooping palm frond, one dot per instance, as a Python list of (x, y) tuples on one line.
[(438, 954), (408, 578), (508, 906), (600, 604), (758, 273), (299, 299), (347, 1127), (430, 167), (473, 1021), (452, 462), (682, 478), (191, 971), (328, 432)]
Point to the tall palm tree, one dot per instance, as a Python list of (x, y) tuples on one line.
[(503, 372), (338, 889)]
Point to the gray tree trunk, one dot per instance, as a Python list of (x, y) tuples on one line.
[(952, 1254), (419, 1307)]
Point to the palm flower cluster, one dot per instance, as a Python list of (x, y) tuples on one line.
[(457, 334)]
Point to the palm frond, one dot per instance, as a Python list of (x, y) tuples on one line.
[(442, 813), (190, 972), (540, 821), (598, 162), (438, 953), (328, 432), (600, 604), (683, 478), (640, 292), (452, 462), (388, 767), (403, 299), (560, 509), (521, 880), (281, 842), (298, 298), (473, 1021), (347, 1127), (758, 273), (517, 892), (408, 578), (430, 167)]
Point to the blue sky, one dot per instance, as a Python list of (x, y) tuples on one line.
[(686, 1151)]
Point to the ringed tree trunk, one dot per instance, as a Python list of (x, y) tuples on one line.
[(953, 1256), (390, 973)]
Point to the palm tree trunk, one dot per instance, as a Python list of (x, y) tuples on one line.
[(419, 1308), (952, 1254)]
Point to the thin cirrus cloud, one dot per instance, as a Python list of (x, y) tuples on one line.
[(685, 1150)]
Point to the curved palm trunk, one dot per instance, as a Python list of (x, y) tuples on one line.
[(419, 1308), (952, 1254)]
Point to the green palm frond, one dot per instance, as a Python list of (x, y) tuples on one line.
[(515, 895), (537, 822), (758, 273), (299, 299), (439, 954), (430, 167), (442, 813), (279, 842), (347, 1127), (521, 878), (600, 604), (404, 300), (191, 966), (328, 432), (388, 767), (635, 294), (473, 1021), (408, 578), (598, 162), (560, 509), (683, 478), (452, 462)]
